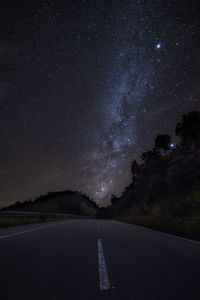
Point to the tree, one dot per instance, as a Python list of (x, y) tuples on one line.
[(163, 142), (135, 169), (149, 155), (114, 199), (189, 129)]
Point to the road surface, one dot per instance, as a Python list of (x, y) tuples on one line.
[(96, 259)]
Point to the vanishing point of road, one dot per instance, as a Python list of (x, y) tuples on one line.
[(96, 259)]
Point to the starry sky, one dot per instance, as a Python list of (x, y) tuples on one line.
[(85, 87)]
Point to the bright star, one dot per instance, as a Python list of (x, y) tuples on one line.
[(171, 145), (158, 46)]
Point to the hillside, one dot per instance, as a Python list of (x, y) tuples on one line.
[(58, 202), (165, 189)]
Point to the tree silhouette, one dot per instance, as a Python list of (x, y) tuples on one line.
[(114, 199), (163, 142), (135, 170), (149, 155), (189, 129)]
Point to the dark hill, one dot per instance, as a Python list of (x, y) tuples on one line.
[(58, 202)]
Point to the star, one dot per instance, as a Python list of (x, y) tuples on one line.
[(158, 46)]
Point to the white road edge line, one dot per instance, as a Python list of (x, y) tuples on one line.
[(179, 237), (103, 275), (168, 234), (26, 231)]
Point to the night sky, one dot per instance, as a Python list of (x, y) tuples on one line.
[(86, 86)]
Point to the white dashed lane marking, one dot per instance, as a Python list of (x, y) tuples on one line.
[(103, 275)]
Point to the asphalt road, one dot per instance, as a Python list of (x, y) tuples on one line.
[(96, 259)]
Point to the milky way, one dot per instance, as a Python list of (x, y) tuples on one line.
[(86, 86)]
